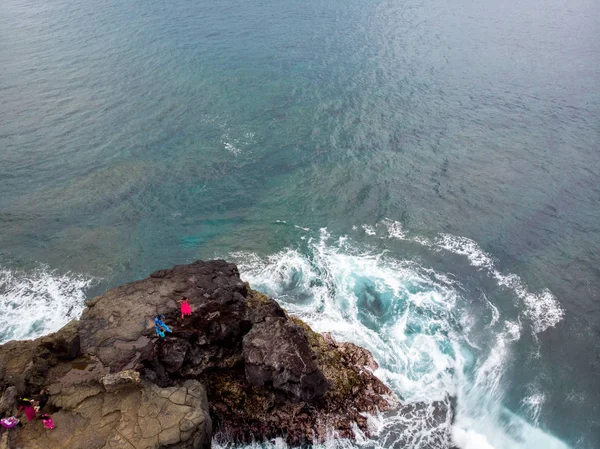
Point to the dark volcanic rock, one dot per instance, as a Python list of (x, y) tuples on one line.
[(277, 353), (8, 401), (113, 383)]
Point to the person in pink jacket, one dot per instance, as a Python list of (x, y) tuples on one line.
[(185, 307)]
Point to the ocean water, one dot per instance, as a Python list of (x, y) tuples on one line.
[(419, 177)]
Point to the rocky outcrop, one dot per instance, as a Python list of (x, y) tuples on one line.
[(238, 364), (277, 353), (127, 414)]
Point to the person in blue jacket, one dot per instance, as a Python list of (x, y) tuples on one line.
[(160, 326)]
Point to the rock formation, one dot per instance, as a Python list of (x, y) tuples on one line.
[(238, 364)]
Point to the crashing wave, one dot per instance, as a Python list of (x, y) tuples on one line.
[(418, 324), (39, 302)]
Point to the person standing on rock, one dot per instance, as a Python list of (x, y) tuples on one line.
[(160, 326), (185, 307), (27, 407), (43, 400)]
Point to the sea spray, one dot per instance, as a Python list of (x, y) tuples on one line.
[(542, 308), (38, 302), (420, 326)]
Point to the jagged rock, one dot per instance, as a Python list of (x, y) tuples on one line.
[(173, 355), (8, 401), (277, 353), (65, 345), (114, 382), (15, 357), (261, 373)]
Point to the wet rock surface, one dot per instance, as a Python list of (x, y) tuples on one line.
[(238, 364)]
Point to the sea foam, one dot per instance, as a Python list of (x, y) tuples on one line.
[(417, 323), (39, 302), (541, 308)]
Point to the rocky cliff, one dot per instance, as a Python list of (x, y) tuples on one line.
[(238, 365)]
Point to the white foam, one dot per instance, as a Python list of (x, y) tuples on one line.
[(465, 247), (332, 278), (369, 230), (230, 145), (490, 372), (410, 319), (237, 145), (469, 439), (505, 430), (394, 229), (533, 404), (494, 309), (40, 302), (542, 308)]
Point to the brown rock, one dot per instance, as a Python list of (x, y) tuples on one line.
[(114, 384), (169, 436), (121, 418), (8, 401), (122, 379)]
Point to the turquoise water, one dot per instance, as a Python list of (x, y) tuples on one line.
[(451, 146)]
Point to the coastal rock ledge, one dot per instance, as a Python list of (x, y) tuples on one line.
[(239, 366)]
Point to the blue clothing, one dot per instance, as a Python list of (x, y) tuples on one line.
[(161, 327)]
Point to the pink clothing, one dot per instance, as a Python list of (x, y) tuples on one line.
[(185, 308), (48, 423), (29, 412)]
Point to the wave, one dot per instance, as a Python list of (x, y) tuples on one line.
[(39, 302), (420, 326), (542, 308), (468, 439)]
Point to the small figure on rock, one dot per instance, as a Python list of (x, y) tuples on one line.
[(26, 405), (160, 326), (47, 420), (42, 401), (185, 307)]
